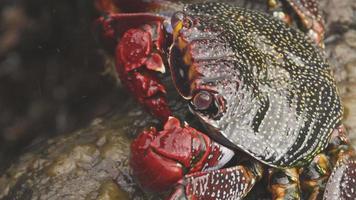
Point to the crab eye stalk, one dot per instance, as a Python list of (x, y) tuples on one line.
[(207, 104), (202, 100), (187, 22)]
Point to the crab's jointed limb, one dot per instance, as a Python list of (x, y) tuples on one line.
[(342, 181), (315, 176), (318, 180), (284, 184), (225, 183), (137, 40), (308, 13), (186, 159)]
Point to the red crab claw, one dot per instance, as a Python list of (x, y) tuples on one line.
[(160, 159), (137, 40)]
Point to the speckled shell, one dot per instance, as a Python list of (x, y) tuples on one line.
[(281, 100), (342, 182)]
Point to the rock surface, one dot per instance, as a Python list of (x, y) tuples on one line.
[(340, 19), (91, 163)]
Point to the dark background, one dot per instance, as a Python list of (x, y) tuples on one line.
[(50, 71)]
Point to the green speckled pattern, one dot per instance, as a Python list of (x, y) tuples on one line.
[(281, 100)]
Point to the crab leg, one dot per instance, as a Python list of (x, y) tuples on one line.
[(339, 146), (315, 176), (308, 12), (227, 183), (284, 184), (159, 159), (341, 184), (342, 181), (183, 158)]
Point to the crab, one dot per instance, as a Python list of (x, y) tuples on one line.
[(262, 90)]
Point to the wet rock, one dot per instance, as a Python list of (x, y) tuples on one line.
[(339, 15), (350, 116), (89, 164), (350, 38), (110, 191), (350, 69), (341, 51)]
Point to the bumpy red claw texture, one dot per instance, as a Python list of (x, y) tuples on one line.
[(137, 41), (160, 159), (178, 158)]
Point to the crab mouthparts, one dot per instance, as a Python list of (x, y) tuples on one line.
[(184, 72), (180, 71)]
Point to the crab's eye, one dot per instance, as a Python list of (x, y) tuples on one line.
[(202, 100), (187, 22)]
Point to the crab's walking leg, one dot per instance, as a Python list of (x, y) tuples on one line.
[(284, 184), (338, 155), (315, 176), (339, 146), (342, 182), (310, 16), (276, 8), (308, 12), (223, 184)]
